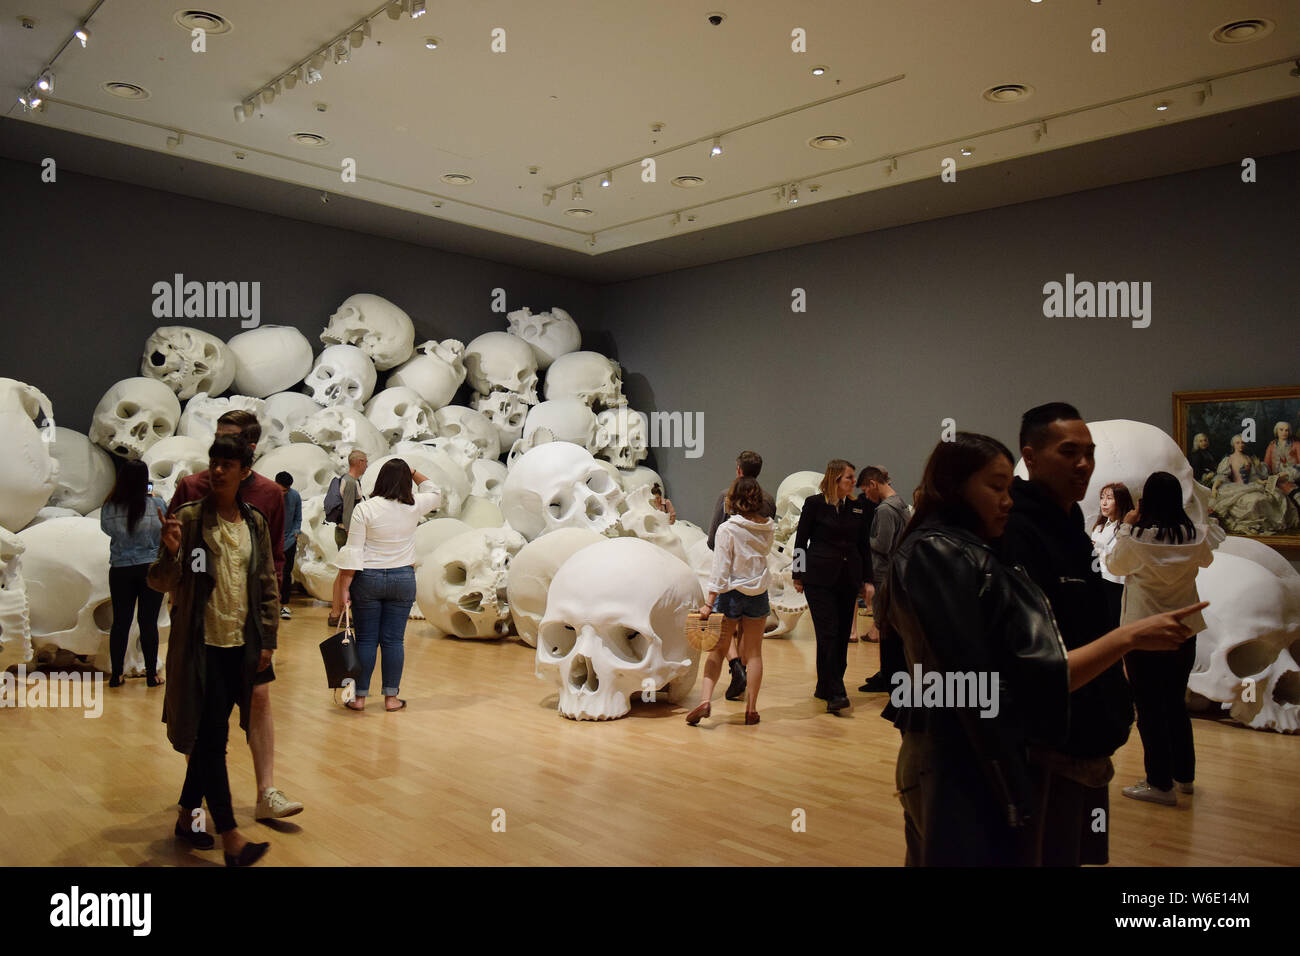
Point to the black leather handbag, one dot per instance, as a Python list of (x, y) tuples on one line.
[(339, 652)]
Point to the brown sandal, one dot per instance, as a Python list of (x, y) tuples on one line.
[(348, 704), (751, 717), (701, 711)]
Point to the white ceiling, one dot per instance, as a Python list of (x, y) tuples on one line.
[(581, 82)]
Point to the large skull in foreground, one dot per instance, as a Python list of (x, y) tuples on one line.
[(134, 414), (615, 625), (86, 473), (551, 334), (532, 571), (461, 585), (559, 485), (376, 326), (188, 361)]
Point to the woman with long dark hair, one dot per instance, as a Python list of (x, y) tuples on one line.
[(832, 566), (1160, 550), (130, 519), (378, 572), (1115, 502), (968, 622)]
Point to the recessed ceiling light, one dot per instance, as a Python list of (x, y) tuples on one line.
[(829, 141), (967, 150), (818, 71), (688, 182), (457, 179), (1162, 106), (431, 43), (314, 140), (128, 91), (1008, 93), (213, 24), (1242, 31), (578, 213)]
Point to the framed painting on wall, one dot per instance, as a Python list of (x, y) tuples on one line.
[(1244, 445)]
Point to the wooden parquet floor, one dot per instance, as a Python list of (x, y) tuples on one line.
[(481, 742)]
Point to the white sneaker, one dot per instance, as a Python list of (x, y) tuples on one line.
[(1145, 792), (284, 614), (274, 804), (1184, 787)]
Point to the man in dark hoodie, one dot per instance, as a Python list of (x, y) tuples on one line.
[(1045, 535)]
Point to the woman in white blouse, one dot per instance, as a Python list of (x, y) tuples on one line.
[(1116, 502), (1160, 550), (377, 566), (739, 586)]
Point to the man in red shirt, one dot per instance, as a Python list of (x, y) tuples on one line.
[(264, 495)]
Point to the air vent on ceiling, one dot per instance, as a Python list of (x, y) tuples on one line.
[(688, 182), (314, 140), (830, 141), (1242, 31), (1007, 93), (579, 213), (128, 91), (213, 24), (457, 179)]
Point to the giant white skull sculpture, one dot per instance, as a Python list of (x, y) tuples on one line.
[(787, 604), (615, 625), (199, 420), (1246, 658), (499, 361), (639, 518), (311, 466), (633, 478), (435, 373), (461, 450), (173, 459), (340, 430), (551, 334), (559, 485), (283, 412), (790, 496), (531, 573), (627, 441), (374, 325), (313, 565), (15, 616), (506, 412), (65, 565), (342, 375), (401, 414), (482, 513), (270, 359), (589, 377), (434, 532), (489, 479), (461, 585), (188, 361), (451, 479), (567, 419), (28, 472), (85, 475), (461, 421), (134, 414)]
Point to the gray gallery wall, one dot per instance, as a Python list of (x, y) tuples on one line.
[(81, 256), (944, 319)]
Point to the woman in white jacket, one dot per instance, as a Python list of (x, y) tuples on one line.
[(1115, 502), (739, 587), (1159, 550)]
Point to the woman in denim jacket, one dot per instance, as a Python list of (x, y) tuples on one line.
[(131, 519)]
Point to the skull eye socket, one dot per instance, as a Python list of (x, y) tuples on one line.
[(514, 420), (400, 408), (557, 638), (127, 409), (454, 573), (162, 427), (628, 644), (600, 482)]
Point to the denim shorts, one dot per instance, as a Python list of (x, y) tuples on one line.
[(733, 605)]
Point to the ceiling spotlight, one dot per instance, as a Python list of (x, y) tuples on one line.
[(577, 192), (249, 109), (239, 113), (268, 96), (417, 9), (818, 70), (83, 35), (357, 38), (431, 43), (395, 10), (966, 150), (717, 147), (313, 75), (291, 79), (548, 197), (318, 60), (793, 198), (606, 179), (46, 83), (341, 53), (1162, 106)]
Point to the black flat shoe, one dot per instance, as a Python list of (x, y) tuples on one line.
[(250, 854), (115, 680), (154, 681), (199, 840), (836, 704)]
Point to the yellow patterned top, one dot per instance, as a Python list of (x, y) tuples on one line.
[(223, 618)]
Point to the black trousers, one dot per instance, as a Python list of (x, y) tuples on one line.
[(1114, 602), (128, 588), (1159, 680), (286, 579), (832, 609), (206, 777)]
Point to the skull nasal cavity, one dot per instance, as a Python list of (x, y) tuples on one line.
[(1287, 688)]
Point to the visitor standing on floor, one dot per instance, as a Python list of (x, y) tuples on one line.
[(216, 563), (376, 566), (970, 796), (1114, 503), (292, 526), (265, 496), (130, 519), (342, 498), (738, 589), (1160, 551), (831, 549), (887, 525), (748, 465)]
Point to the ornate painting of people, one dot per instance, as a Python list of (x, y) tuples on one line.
[(1242, 445)]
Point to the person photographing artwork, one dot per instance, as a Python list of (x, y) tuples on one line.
[(216, 560), (1114, 503), (129, 518), (738, 588)]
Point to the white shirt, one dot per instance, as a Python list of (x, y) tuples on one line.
[(1161, 575), (1103, 543), (382, 532), (740, 550)]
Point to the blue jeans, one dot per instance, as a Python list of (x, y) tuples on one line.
[(381, 604)]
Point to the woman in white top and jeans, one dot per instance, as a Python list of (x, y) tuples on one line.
[(1160, 550), (1116, 502), (739, 586), (378, 572)]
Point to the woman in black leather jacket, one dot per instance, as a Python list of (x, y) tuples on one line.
[(991, 669)]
